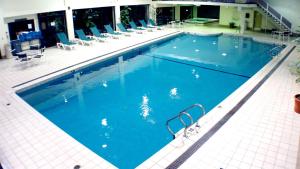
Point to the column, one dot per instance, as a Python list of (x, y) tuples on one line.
[(3, 36), (177, 12), (152, 11), (69, 20), (195, 11), (242, 20), (117, 15), (36, 22)]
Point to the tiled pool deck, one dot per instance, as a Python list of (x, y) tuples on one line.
[(263, 133)]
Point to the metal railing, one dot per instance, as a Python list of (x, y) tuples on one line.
[(275, 14), (276, 50), (185, 125)]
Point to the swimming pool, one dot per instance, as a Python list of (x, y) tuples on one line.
[(118, 108), (201, 20)]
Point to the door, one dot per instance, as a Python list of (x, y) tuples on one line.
[(50, 24), (186, 12)]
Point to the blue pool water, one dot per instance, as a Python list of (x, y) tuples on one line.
[(118, 108)]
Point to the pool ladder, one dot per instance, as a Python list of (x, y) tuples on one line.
[(185, 125), (275, 51)]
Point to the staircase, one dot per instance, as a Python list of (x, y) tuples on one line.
[(277, 18)]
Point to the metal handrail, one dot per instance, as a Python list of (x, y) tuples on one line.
[(185, 112), (181, 121), (186, 126), (201, 109), (274, 13), (280, 46)]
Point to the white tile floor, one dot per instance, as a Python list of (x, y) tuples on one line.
[(264, 133)]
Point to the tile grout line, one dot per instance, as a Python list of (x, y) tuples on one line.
[(200, 142)]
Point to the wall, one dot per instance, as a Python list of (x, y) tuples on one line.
[(289, 9), (266, 23), (233, 14), (16, 7), (3, 37), (229, 14)]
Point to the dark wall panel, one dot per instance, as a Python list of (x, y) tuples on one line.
[(206, 11), (51, 23), (137, 12), (86, 18), (165, 15), (186, 12)]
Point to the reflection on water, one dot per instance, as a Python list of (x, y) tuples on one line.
[(145, 107), (104, 84), (65, 99), (104, 122), (174, 93), (194, 73)]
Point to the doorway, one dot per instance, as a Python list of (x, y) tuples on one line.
[(164, 15), (51, 23), (137, 12), (86, 18), (186, 12)]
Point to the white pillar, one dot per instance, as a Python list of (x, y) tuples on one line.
[(36, 22), (195, 11), (69, 20), (242, 20), (117, 15), (177, 12), (152, 12), (3, 36)]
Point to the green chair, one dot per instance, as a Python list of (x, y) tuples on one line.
[(97, 35), (145, 25), (111, 32), (124, 30), (152, 23), (133, 26), (84, 40), (64, 41)]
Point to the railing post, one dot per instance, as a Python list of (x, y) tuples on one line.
[(281, 21)]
